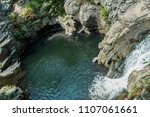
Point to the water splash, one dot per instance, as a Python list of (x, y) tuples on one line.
[(106, 88)]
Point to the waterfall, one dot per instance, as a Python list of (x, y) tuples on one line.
[(105, 88)]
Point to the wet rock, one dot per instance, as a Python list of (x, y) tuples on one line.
[(11, 93)]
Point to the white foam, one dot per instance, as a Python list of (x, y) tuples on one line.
[(106, 88)]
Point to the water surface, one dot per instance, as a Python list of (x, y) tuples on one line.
[(60, 68)]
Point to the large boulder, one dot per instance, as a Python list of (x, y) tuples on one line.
[(89, 17), (71, 7), (11, 93)]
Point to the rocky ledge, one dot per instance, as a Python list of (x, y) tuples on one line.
[(128, 20)]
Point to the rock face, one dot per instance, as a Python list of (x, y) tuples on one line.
[(11, 93), (11, 75), (89, 17), (18, 22), (72, 7), (139, 84), (28, 21), (9, 47), (128, 19), (81, 17)]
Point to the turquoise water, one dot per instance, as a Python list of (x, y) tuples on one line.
[(61, 68)]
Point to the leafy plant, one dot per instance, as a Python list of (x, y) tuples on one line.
[(104, 13), (34, 4), (12, 16)]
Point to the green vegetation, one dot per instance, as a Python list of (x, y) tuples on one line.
[(103, 13), (32, 12), (35, 9), (146, 62), (33, 5), (104, 16), (51, 7), (12, 16)]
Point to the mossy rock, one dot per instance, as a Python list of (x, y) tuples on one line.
[(11, 93)]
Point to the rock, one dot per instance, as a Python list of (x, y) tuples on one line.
[(8, 45), (18, 6), (139, 84), (5, 5), (111, 71), (11, 93), (80, 14), (11, 75), (71, 7), (89, 17), (27, 23), (128, 20), (69, 25), (95, 59)]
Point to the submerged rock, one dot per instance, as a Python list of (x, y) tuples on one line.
[(11, 93)]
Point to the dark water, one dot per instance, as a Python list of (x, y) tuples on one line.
[(60, 68)]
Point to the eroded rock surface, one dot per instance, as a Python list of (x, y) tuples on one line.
[(129, 19), (89, 18), (82, 16), (9, 47)]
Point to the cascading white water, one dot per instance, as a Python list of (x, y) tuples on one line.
[(106, 88)]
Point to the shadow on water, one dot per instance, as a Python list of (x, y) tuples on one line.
[(60, 67)]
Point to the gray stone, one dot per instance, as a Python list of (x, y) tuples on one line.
[(11, 93), (71, 7), (89, 17), (128, 21)]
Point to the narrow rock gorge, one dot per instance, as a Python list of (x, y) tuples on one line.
[(122, 25)]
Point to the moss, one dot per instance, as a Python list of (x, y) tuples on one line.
[(134, 93), (38, 8), (12, 17), (103, 13), (104, 16), (30, 8), (19, 34), (32, 11)]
